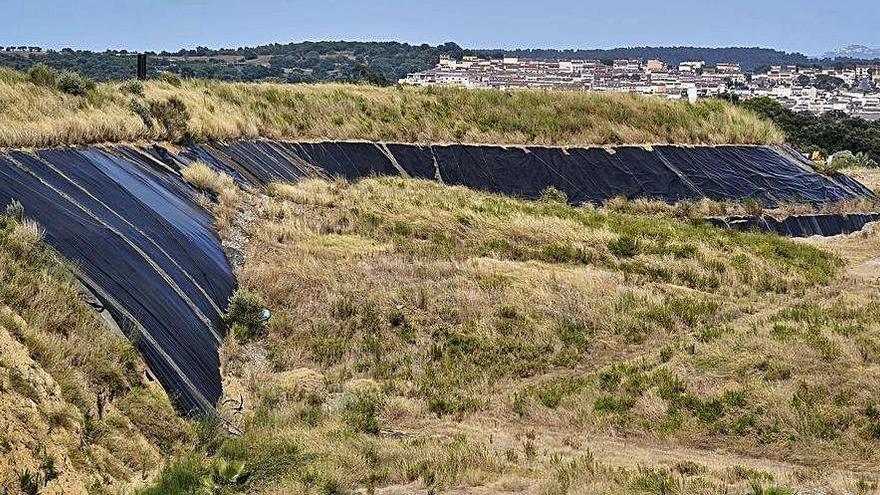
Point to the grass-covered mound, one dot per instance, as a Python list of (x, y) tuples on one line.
[(431, 338), (45, 109), (76, 410)]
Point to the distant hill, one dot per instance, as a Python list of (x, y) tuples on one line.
[(748, 58), (855, 52), (376, 62)]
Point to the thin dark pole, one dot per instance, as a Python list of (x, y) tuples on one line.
[(142, 67)]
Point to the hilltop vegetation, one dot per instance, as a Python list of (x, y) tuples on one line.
[(428, 338), (36, 109)]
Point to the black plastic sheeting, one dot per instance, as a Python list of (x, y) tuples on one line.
[(143, 246), (147, 250), (769, 175), (801, 225)]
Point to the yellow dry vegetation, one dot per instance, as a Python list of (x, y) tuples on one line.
[(432, 339), (77, 413), (34, 115)]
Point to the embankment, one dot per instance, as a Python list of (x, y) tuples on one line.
[(147, 249)]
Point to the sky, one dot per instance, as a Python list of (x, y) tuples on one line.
[(807, 26)]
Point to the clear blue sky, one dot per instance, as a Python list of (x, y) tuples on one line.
[(810, 27)]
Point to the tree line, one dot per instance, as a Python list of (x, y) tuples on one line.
[(828, 133)]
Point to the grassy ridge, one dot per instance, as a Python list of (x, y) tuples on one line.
[(41, 115)]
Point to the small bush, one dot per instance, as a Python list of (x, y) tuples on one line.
[(624, 246), (139, 108), (15, 210), (553, 195), (185, 475), (43, 75), (245, 314), (753, 207), (757, 488), (171, 78), (73, 83), (360, 412), (846, 159), (133, 87), (173, 116)]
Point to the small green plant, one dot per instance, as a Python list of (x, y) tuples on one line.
[(15, 211), (43, 75), (184, 476), (624, 246), (139, 108), (245, 314), (757, 488), (171, 78), (29, 482), (360, 412), (553, 195), (133, 87), (753, 207), (223, 476), (74, 84), (173, 116)]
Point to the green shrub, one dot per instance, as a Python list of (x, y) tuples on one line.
[(173, 116), (139, 108), (553, 195), (846, 159), (753, 207), (15, 211), (74, 84), (360, 412), (757, 488), (171, 78), (133, 87), (245, 314), (624, 246), (43, 75), (182, 477)]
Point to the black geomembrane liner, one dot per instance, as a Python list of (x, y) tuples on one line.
[(147, 249)]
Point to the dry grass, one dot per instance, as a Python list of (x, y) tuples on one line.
[(68, 385), (33, 115), (499, 344), (703, 208), (870, 177), (220, 186)]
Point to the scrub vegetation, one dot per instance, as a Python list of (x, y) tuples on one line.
[(77, 413), (431, 339), (37, 110)]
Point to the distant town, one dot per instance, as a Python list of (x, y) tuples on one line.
[(814, 89)]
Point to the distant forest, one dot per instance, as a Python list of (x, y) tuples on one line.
[(375, 62)]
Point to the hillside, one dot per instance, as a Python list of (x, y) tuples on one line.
[(335, 61), (76, 410), (428, 338), (35, 112)]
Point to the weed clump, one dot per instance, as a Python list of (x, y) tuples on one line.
[(360, 412), (553, 195), (245, 314), (171, 78), (43, 75), (133, 87), (625, 246), (139, 108), (74, 84), (173, 116)]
